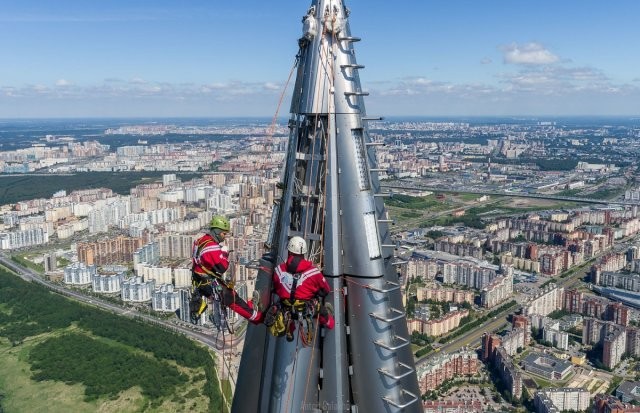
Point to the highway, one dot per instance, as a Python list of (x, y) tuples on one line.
[(412, 186)]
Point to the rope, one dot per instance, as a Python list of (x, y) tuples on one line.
[(272, 128)]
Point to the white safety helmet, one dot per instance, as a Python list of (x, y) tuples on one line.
[(297, 245)]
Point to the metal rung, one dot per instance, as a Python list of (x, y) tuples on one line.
[(389, 320), (352, 66), (356, 93), (375, 144), (393, 348), (400, 262), (309, 157), (396, 286), (385, 195), (378, 170), (389, 246), (405, 374), (388, 221), (305, 196), (372, 118), (349, 39), (402, 406)]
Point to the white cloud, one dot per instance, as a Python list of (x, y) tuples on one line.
[(528, 90), (271, 86), (528, 54), (557, 80), (62, 83)]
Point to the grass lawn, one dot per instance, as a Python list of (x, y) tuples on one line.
[(466, 197), (22, 394), (26, 261)]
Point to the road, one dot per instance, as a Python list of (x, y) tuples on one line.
[(412, 186), (214, 343)]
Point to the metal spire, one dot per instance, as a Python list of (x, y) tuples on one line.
[(331, 197)]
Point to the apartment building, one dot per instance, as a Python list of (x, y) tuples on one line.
[(445, 367), (557, 400), (499, 290), (544, 302), (109, 251)]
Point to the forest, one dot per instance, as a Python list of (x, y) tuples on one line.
[(104, 352), (17, 188)]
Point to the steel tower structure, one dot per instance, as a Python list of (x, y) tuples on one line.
[(330, 195)]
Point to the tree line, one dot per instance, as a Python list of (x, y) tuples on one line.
[(29, 310)]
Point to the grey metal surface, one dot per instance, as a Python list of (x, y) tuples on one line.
[(365, 363)]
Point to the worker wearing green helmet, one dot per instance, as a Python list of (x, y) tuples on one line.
[(210, 261)]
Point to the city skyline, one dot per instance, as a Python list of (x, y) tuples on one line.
[(124, 59)]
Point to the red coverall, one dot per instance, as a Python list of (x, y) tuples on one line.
[(311, 284), (210, 260)]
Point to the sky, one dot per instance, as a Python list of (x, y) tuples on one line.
[(193, 58)]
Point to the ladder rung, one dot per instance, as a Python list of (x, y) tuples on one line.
[(372, 118), (389, 246), (375, 144), (402, 406), (405, 374), (385, 195), (388, 221), (396, 286), (378, 170), (349, 39), (404, 342), (356, 93), (309, 157), (352, 66), (305, 196), (389, 320)]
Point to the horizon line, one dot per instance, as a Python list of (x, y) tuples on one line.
[(286, 117)]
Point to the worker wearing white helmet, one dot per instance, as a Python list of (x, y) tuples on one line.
[(297, 282)]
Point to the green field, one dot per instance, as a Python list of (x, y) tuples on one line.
[(57, 355), (412, 212)]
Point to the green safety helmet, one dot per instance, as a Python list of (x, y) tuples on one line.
[(220, 222)]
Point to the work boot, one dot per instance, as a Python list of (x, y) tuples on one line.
[(194, 304), (256, 302), (325, 316), (326, 310), (194, 317)]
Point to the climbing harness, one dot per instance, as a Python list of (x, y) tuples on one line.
[(199, 303), (282, 317)]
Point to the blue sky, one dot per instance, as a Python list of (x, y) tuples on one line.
[(86, 58)]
